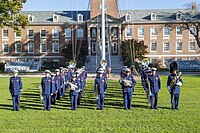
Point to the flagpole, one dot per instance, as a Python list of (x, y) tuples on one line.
[(103, 31)]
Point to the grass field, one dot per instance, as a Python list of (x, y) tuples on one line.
[(86, 119)]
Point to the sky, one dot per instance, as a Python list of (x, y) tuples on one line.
[(58, 5)]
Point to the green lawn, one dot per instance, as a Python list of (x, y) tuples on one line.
[(86, 119)]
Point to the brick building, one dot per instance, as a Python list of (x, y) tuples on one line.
[(49, 31)]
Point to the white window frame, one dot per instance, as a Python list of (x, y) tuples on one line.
[(78, 18), (194, 31), (153, 59), (164, 31), (139, 31), (41, 48), (30, 16), (178, 17), (55, 20), (17, 43), (181, 31), (92, 31), (128, 15), (177, 46), (153, 16), (164, 46), (190, 44), (53, 46), (41, 34), (5, 43), (68, 30), (114, 43), (31, 42), (93, 47), (130, 32), (53, 32), (114, 28), (80, 31), (151, 31), (29, 32), (3, 33), (151, 47), (18, 36)]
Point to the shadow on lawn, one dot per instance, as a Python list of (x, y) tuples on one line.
[(6, 107)]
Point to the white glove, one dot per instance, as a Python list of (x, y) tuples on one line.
[(179, 83), (169, 89)]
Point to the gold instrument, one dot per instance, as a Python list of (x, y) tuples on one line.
[(173, 82), (145, 62), (73, 87), (103, 63), (72, 64), (125, 82)]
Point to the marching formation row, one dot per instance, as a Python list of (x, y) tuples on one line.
[(54, 86)]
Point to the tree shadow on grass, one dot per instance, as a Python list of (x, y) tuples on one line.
[(6, 107)]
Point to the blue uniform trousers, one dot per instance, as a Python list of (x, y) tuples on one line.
[(154, 100), (47, 102), (63, 91), (100, 101), (79, 97), (53, 99), (16, 102), (174, 100), (127, 100), (73, 98), (58, 95)]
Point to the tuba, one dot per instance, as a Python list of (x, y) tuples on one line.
[(72, 64), (145, 62)]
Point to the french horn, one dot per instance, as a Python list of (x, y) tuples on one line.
[(145, 62)]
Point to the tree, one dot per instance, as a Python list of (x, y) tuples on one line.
[(10, 14), (133, 50)]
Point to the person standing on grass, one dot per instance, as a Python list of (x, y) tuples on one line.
[(155, 86), (53, 89), (58, 83), (100, 87), (46, 90), (15, 89), (128, 83)]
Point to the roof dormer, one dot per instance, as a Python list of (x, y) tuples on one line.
[(80, 18), (55, 18), (30, 18), (178, 15), (128, 17), (153, 16)]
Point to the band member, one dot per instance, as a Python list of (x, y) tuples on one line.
[(100, 88), (174, 83), (147, 84), (128, 83), (46, 90), (62, 89), (68, 76), (15, 88), (58, 83), (155, 86), (123, 72), (53, 89), (74, 90)]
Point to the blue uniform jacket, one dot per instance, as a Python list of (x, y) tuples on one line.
[(99, 85), (68, 76), (175, 89), (46, 85), (143, 73), (129, 89), (122, 74), (155, 84), (53, 86), (15, 86), (75, 92), (59, 81)]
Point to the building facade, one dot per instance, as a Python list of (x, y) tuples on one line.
[(49, 31)]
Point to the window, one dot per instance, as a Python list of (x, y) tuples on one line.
[(93, 47), (166, 31), (80, 33), (114, 47), (18, 47), (18, 34), (128, 32), (68, 33), (43, 33), (31, 47), (30, 18), (192, 31), (153, 31), (5, 33), (55, 63), (30, 34), (94, 32), (153, 47), (179, 31), (56, 47), (178, 46), (43, 48), (192, 46), (166, 47), (178, 16), (153, 16), (153, 61), (141, 31), (114, 32), (55, 33), (55, 18), (5, 47), (128, 17), (80, 18)]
